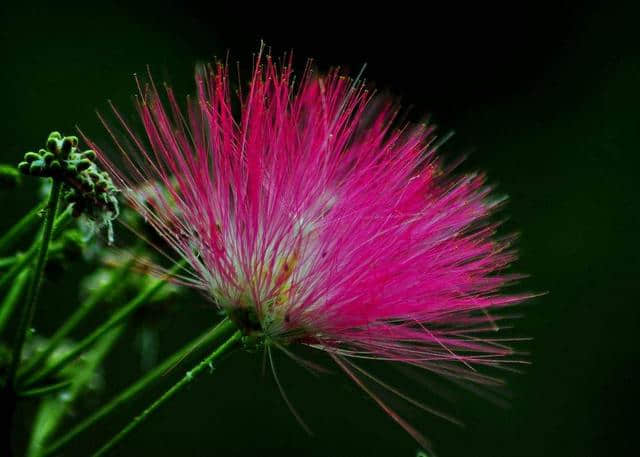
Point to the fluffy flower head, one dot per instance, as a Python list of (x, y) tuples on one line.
[(309, 216)]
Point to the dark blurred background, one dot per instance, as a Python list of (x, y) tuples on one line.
[(544, 98)]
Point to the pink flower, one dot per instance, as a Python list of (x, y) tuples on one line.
[(308, 217)]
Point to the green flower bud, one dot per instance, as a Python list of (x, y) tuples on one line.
[(55, 166), (101, 186), (24, 167), (84, 164), (67, 144), (89, 190), (73, 139), (36, 168), (31, 156), (48, 157), (53, 145)]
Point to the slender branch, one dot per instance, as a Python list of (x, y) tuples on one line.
[(8, 398), (21, 261), (20, 227), (114, 320), (130, 392), (96, 297), (36, 281), (8, 261), (9, 302), (24, 259), (46, 390), (207, 362)]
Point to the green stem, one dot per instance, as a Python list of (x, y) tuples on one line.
[(20, 263), (8, 261), (189, 376), (20, 228), (9, 302), (7, 395), (46, 390), (53, 408), (36, 281), (114, 320), (27, 257), (96, 297), (130, 392)]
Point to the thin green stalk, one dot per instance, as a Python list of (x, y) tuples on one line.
[(46, 390), (20, 228), (130, 392), (9, 302), (8, 261), (92, 300), (21, 261), (8, 399), (36, 281), (207, 362), (25, 258), (114, 320), (53, 408)]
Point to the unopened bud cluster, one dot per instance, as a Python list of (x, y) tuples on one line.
[(60, 158), (89, 189)]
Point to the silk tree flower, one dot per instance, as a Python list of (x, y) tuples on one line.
[(309, 216)]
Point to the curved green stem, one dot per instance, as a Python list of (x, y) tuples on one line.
[(9, 302), (20, 227), (26, 258), (130, 392), (189, 376), (92, 300), (114, 320), (36, 281)]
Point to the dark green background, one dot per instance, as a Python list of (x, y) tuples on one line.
[(545, 98)]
